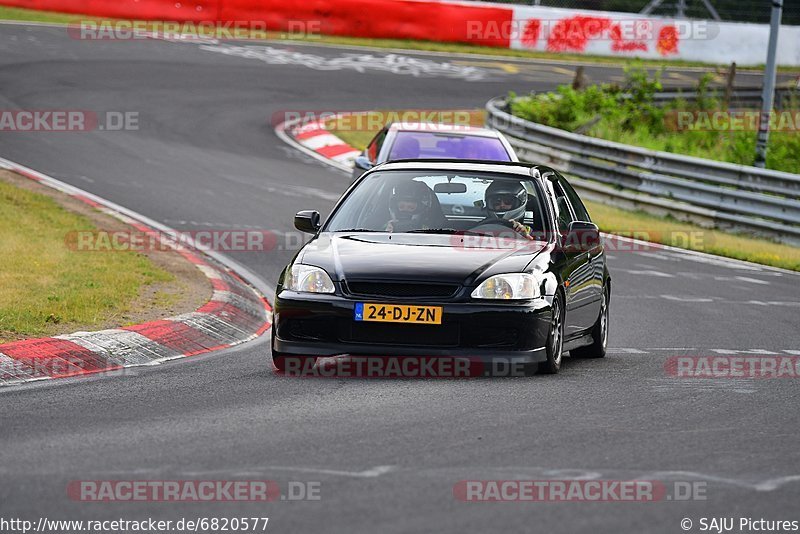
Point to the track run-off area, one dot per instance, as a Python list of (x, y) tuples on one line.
[(386, 454)]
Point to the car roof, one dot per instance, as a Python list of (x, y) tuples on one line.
[(505, 167), (476, 131)]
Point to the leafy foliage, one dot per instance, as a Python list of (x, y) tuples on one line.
[(629, 114)]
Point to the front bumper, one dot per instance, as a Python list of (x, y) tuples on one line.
[(323, 325)]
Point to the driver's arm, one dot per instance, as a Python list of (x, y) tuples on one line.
[(523, 229)]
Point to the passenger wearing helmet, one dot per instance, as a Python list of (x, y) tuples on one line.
[(506, 200), (412, 207)]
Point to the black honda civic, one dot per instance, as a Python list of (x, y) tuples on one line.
[(438, 258)]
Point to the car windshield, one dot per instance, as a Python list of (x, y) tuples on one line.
[(415, 145), (441, 203)]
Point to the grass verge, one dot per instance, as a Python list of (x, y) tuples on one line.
[(674, 233), (28, 15), (48, 288), (626, 223)]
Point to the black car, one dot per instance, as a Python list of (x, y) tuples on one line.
[(463, 259)]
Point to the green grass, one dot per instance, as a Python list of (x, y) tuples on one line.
[(28, 15), (45, 286), (627, 223), (733, 147), (675, 233)]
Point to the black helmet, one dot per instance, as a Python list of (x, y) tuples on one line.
[(512, 194), (410, 192)]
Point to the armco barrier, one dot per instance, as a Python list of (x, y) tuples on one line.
[(727, 195), (623, 35), (740, 97)]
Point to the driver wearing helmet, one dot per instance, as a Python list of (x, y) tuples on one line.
[(410, 207), (506, 200)]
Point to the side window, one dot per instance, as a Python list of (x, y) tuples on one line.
[(374, 147), (563, 214), (578, 208)]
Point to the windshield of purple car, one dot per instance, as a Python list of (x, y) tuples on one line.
[(408, 201), (416, 145)]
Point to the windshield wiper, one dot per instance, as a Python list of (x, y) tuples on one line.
[(358, 230)]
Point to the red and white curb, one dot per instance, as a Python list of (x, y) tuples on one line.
[(237, 312), (315, 137)]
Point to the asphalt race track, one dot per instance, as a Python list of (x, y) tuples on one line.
[(387, 453)]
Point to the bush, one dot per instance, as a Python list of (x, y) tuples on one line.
[(605, 111)]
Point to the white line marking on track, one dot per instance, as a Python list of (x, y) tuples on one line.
[(673, 348), (373, 472), (752, 280), (686, 299), (764, 352), (648, 272)]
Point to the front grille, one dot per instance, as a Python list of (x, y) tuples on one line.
[(401, 289), (443, 335)]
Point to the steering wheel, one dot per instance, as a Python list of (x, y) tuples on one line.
[(492, 226)]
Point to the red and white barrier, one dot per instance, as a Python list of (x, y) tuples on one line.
[(633, 35), (501, 25)]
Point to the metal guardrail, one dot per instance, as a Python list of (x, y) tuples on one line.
[(711, 192), (739, 98)]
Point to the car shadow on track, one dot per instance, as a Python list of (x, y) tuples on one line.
[(413, 368)]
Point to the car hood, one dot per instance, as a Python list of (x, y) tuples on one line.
[(417, 257)]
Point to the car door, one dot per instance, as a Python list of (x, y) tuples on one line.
[(597, 255), (577, 273)]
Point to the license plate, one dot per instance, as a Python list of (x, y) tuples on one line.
[(398, 313)]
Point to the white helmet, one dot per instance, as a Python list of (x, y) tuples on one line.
[(506, 199)]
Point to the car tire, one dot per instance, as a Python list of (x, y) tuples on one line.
[(555, 339), (599, 333)]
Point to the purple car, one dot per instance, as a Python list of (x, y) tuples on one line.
[(433, 141)]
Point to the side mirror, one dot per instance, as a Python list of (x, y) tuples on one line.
[(307, 221), (362, 162), (581, 237)]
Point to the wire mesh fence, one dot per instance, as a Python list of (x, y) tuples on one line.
[(731, 10)]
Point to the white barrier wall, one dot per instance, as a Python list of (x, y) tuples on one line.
[(634, 35)]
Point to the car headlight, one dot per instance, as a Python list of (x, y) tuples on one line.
[(308, 279), (518, 286)]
